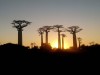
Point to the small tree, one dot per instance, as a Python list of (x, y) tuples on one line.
[(79, 41)]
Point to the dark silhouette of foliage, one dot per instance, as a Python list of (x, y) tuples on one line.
[(41, 31), (73, 30), (20, 24), (79, 41), (47, 30), (59, 29), (15, 54)]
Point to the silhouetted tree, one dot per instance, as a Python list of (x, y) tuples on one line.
[(20, 24), (79, 41), (41, 31), (63, 35), (73, 30), (46, 47), (59, 28), (46, 30), (31, 45), (92, 43)]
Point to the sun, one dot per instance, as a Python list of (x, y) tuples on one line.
[(54, 44), (66, 45)]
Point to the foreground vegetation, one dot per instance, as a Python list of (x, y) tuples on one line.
[(15, 54)]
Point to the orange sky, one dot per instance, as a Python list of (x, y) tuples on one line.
[(84, 13)]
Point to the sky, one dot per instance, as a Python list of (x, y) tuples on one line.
[(82, 13)]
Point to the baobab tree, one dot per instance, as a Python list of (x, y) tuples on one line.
[(73, 30), (92, 43), (79, 41), (41, 31), (19, 25), (63, 35), (46, 30), (31, 45), (59, 29)]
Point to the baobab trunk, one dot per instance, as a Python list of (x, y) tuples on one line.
[(41, 39), (79, 41), (59, 42), (62, 42), (20, 36), (79, 44), (74, 41), (46, 37)]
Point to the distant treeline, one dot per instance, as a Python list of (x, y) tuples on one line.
[(16, 54)]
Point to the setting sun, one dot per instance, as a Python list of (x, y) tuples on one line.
[(54, 44)]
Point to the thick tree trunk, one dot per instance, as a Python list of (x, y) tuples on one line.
[(41, 39), (79, 44), (59, 42), (46, 37), (74, 41), (62, 42), (20, 36)]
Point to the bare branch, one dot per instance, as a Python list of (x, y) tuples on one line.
[(73, 29), (47, 28), (40, 31), (23, 25), (78, 30), (58, 26), (20, 23), (63, 35), (79, 38)]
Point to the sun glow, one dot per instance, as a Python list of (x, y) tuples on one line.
[(54, 44)]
